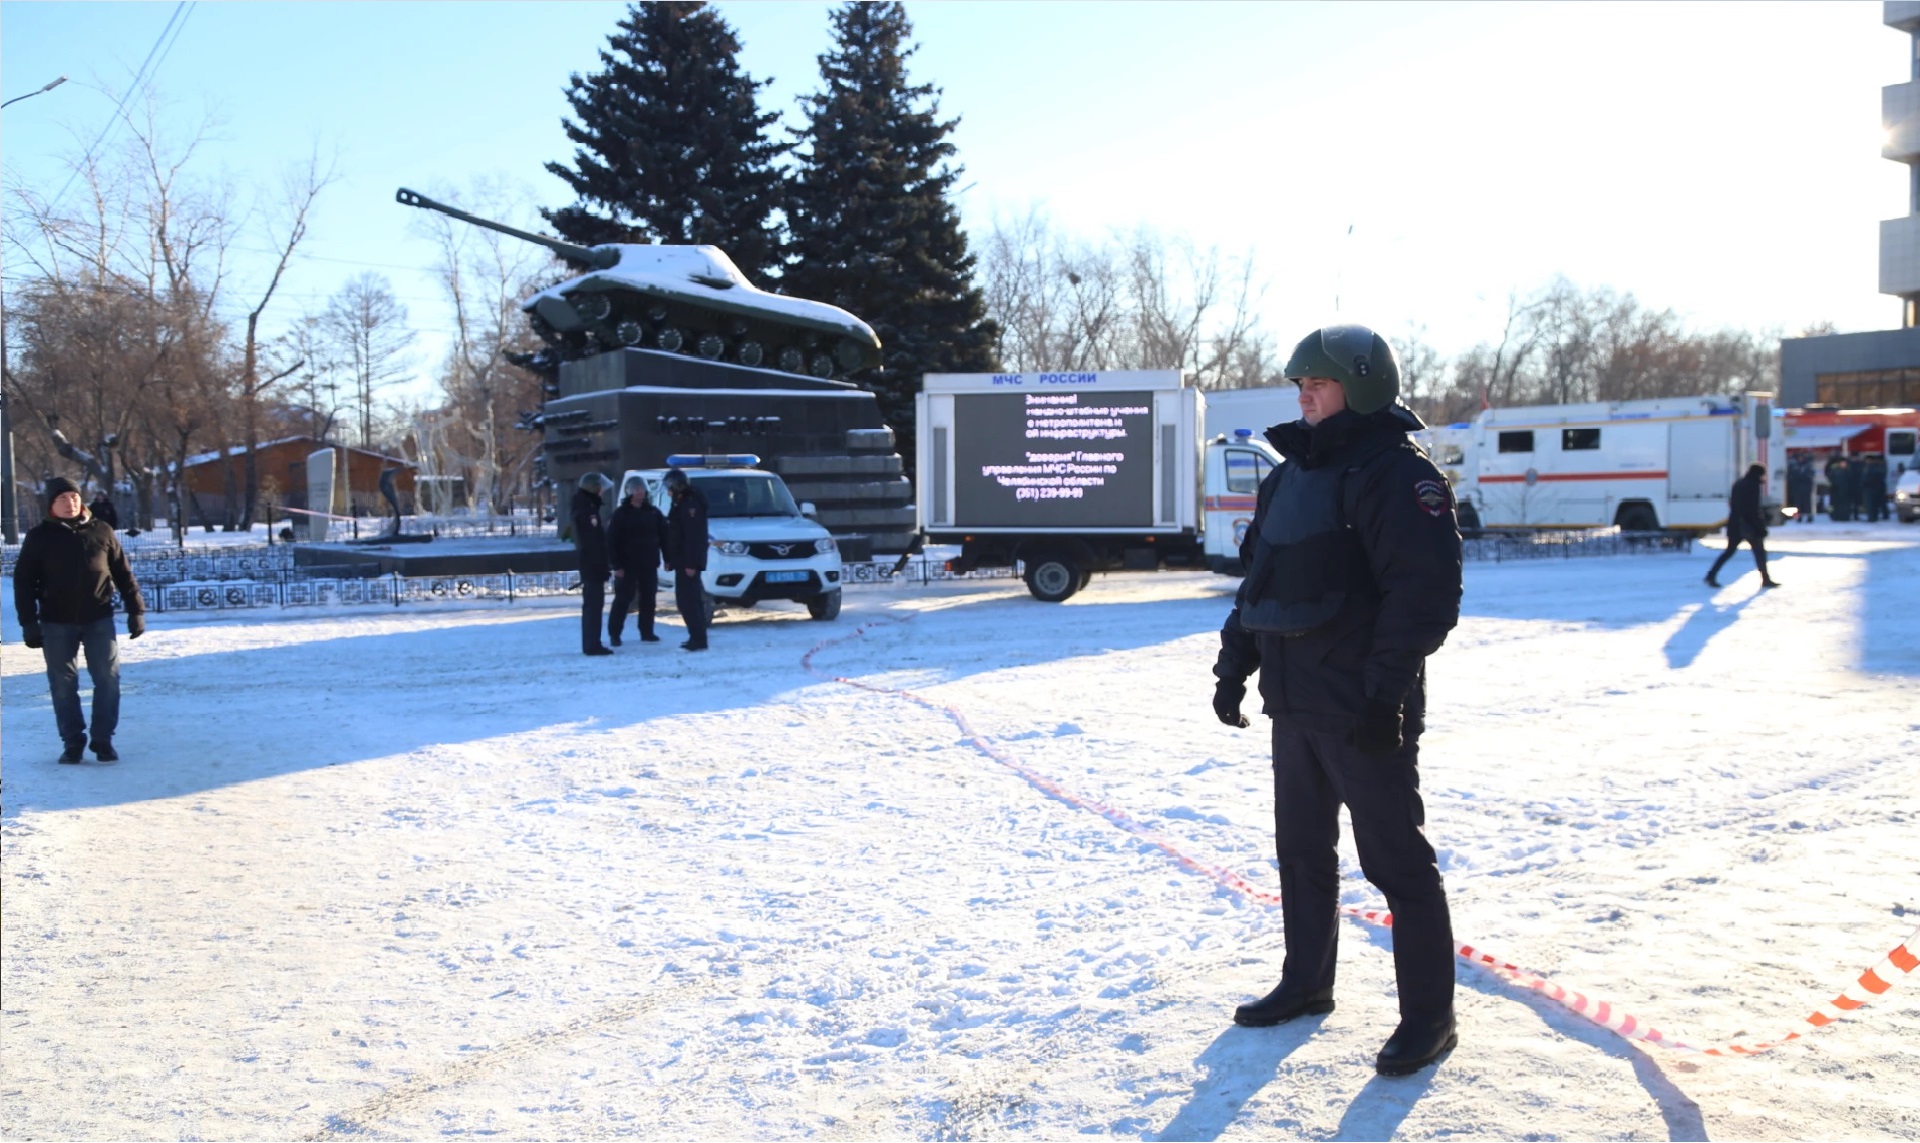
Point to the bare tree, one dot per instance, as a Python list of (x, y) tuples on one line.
[(1564, 344), (285, 232), (367, 326), (1132, 301), (485, 274)]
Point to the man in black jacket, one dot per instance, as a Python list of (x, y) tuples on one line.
[(590, 542), (63, 583), (1745, 525), (1353, 579), (687, 555), (636, 536)]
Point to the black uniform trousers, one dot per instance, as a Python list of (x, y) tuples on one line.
[(690, 596), (633, 591), (1759, 547), (593, 597), (1313, 773)]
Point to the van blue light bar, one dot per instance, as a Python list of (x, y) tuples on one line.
[(713, 460)]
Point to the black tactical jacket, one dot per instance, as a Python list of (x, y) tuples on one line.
[(1353, 562), (590, 535)]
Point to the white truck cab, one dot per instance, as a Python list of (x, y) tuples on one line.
[(1235, 466), (762, 545)]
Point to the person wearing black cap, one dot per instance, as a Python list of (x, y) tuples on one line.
[(1353, 579), (687, 553), (70, 565)]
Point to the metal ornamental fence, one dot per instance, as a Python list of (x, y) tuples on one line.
[(227, 578), (295, 590)]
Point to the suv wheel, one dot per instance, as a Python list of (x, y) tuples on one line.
[(825, 606)]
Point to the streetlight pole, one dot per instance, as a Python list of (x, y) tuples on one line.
[(36, 91), (9, 500)]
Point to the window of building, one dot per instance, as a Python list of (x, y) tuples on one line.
[(1518, 440), (1871, 389), (1572, 440)]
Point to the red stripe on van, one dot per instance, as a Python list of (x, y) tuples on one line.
[(1550, 476)]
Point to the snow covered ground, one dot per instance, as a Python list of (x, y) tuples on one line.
[(410, 872)]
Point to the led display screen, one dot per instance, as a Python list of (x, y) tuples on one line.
[(1037, 460)]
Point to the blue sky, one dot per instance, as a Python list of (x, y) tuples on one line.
[(1720, 159)]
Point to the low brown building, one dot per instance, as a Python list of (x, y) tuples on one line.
[(282, 465)]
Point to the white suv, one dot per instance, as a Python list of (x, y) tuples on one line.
[(1906, 496), (761, 544)]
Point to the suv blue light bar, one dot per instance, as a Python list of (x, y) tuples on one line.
[(713, 460)]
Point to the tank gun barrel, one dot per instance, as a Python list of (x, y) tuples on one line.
[(583, 257)]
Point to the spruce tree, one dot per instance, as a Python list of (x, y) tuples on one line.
[(670, 144), (871, 229)]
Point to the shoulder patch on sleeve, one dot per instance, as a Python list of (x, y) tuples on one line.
[(1434, 497)]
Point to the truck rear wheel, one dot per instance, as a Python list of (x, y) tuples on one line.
[(1052, 578), (1637, 518)]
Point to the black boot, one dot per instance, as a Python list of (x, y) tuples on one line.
[(103, 750), (71, 754), (598, 651), (1283, 1004), (1415, 1044)]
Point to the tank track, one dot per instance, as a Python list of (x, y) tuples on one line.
[(625, 320)]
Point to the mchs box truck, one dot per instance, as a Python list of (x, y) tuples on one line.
[(1073, 473), (1641, 466)]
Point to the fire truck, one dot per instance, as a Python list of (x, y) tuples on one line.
[(1825, 430), (1635, 465)]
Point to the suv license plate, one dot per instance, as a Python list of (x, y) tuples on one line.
[(787, 577)]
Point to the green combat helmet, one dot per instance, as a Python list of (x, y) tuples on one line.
[(1358, 358)]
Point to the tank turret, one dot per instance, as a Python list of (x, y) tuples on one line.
[(689, 300)]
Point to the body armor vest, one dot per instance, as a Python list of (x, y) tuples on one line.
[(1307, 557)]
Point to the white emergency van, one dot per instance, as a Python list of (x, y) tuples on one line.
[(1637, 465)]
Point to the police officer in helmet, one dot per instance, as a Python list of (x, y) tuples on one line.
[(1353, 580)]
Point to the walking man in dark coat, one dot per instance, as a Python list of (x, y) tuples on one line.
[(636, 537), (687, 553), (590, 542), (1745, 525), (63, 583), (1353, 579)]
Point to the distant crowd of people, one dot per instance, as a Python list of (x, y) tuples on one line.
[(1846, 487)]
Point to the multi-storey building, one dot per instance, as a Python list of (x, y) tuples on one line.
[(1879, 368)]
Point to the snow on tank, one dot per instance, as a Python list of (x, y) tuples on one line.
[(681, 299)]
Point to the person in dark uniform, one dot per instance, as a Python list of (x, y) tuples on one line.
[(636, 536), (102, 509), (590, 542), (1353, 579), (1840, 489), (69, 567), (1745, 525), (1873, 487), (687, 554), (1800, 488)]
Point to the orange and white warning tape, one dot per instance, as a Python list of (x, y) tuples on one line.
[(1873, 982)]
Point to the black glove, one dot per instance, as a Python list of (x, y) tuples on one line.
[(1226, 702), (136, 625), (1378, 731), (30, 634)]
